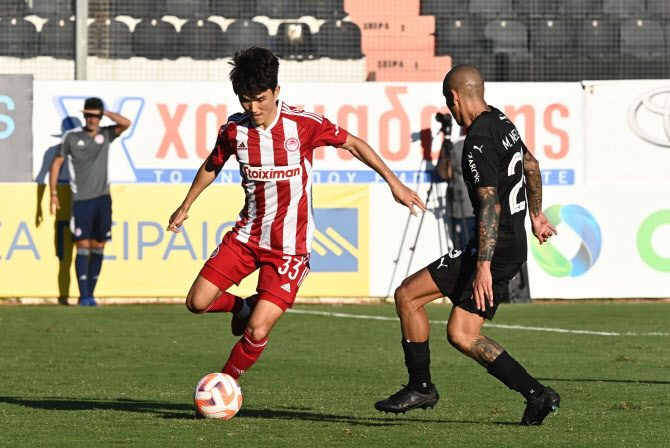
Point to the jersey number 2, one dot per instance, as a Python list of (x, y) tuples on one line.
[(515, 206)]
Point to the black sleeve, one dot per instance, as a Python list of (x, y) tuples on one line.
[(482, 158)]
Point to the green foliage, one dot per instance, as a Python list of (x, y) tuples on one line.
[(124, 376)]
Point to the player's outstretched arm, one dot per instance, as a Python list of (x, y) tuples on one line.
[(204, 178), (542, 228), (401, 193)]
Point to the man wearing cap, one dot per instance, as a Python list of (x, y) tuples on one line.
[(86, 150)]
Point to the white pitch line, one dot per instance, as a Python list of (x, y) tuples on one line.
[(508, 327)]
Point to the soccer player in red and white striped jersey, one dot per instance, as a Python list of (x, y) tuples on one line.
[(274, 144)]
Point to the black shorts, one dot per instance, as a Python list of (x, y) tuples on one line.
[(455, 272), (92, 219)]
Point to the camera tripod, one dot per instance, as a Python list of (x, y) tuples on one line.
[(447, 145)]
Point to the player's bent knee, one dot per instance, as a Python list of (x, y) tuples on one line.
[(196, 304), (401, 295), (258, 332), (403, 298), (459, 340), (190, 307)]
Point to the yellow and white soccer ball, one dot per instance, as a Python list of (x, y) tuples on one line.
[(217, 395)]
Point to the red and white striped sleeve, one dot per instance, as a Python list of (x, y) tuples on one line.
[(222, 149)]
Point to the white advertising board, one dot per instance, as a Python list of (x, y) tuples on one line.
[(627, 133), (175, 125)]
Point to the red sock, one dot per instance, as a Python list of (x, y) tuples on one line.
[(226, 303), (245, 353)]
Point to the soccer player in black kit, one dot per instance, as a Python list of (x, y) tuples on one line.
[(503, 180)]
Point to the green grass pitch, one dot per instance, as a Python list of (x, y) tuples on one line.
[(123, 375)]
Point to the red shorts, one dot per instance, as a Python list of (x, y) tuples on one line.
[(280, 275)]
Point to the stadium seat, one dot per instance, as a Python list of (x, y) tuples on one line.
[(506, 36), (486, 64), (57, 38), (243, 34), (52, 8), (534, 8), (110, 39), (138, 9), (579, 8), (597, 38), (624, 8), (459, 37), (200, 39), (234, 9), (515, 67), (552, 38), (155, 39), (294, 41), (449, 9), (187, 9), (491, 8), (339, 40), (642, 38), (658, 9), (328, 9), (281, 9), (19, 38), (12, 8)]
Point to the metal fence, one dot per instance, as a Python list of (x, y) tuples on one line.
[(341, 40)]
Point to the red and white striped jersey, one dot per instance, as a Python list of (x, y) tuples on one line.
[(276, 170)]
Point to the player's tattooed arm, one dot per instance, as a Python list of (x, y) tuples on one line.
[(531, 168), (485, 350), (542, 228), (489, 215)]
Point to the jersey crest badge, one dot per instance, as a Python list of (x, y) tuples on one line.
[(292, 144), (100, 139)]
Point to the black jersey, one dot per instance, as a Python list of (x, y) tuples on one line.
[(493, 157)]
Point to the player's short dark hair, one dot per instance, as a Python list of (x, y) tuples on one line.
[(254, 71), (94, 103)]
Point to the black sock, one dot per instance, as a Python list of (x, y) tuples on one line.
[(417, 360), (513, 375), (81, 269)]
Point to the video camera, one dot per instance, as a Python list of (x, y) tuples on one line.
[(445, 121)]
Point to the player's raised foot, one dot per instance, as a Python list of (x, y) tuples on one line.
[(538, 409), (238, 325), (407, 399)]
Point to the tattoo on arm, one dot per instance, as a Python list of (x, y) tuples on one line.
[(533, 184), (489, 214), (485, 350)]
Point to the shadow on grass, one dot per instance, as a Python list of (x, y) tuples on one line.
[(185, 411), (388, 420), (165, 410), (591, 380)]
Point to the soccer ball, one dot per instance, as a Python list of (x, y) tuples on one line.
[(217, 395)]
